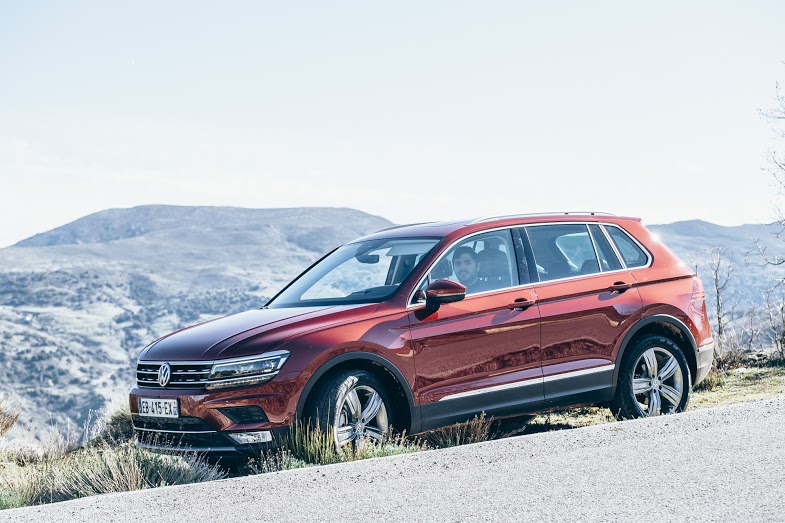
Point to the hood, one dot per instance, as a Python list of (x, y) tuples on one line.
[(224, 337)]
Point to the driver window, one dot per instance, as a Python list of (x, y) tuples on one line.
[(482, 263)]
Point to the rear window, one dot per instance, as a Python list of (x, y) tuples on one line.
[(631, 253), (562, 251)]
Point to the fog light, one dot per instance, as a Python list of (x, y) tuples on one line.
[(244, 438)]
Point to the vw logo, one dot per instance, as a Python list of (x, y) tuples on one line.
[(164, 374)]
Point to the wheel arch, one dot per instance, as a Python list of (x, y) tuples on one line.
[(663, 325), (382, 368)]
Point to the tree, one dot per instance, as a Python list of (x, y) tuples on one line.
[(776, 160), (721, 270)]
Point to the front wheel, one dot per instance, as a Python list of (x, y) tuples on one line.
[(654, 379), (352, 406)]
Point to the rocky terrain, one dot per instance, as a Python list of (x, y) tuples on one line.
[(79, 302)]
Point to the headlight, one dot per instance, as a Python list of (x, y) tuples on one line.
[(246, 371)]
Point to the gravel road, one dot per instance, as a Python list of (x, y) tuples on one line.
[(723, 464)]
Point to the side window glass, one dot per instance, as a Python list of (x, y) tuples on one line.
[(562, 251), (633, 255), (485, 262), (608, 259)]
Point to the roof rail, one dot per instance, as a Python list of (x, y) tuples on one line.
[(509, 216), (399, 226)]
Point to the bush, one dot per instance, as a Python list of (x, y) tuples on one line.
[(113, 427)]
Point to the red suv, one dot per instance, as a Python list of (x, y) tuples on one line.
[(420, 326)]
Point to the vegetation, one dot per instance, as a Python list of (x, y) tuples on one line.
[(8, 416)]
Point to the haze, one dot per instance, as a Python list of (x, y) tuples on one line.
[(409, 110)]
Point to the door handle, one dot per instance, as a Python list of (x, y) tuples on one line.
[(521, 304), (619, 287)]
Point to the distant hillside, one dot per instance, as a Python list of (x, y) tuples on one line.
[(79, 302), (751, 277)]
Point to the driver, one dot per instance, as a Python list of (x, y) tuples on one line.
[(466, 267)]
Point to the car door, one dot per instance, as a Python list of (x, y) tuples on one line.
[(481, 353), (587, 300)]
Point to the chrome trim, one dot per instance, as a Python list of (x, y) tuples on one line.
[(708, 346), (530, 381), (177, 431), (576, 373), (202, 377), (494, 388), (263, 356)]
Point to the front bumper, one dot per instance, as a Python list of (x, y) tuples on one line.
[(704, 358), (207, 442), (205, 422)]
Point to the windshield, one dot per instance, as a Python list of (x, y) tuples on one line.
[(361, 272)]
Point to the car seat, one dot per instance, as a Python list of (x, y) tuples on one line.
[(494, 268)]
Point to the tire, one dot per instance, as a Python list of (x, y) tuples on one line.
[(641, 393), (353, 406)]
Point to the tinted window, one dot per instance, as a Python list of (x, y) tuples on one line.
[(562, 251), (608, 259), (632, 254), (484, 262)]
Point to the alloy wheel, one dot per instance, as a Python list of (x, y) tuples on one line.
[(657, 382), (362, 416)]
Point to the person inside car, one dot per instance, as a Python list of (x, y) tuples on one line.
[(466, 266)]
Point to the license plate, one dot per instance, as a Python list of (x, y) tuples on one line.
[(158, 408)]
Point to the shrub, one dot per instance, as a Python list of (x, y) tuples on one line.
[(113, 427)]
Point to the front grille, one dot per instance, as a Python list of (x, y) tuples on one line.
[(184, 375), (181, 424), (250, 414)]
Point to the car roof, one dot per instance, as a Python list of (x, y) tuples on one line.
[(447, 228)]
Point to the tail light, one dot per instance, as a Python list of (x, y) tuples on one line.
[(698, 294)]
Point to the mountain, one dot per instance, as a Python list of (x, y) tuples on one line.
[(751, 277), (79, 302)]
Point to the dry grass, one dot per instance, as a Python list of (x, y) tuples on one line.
[(472, 431), (73, 465), (304, 445), (9, 415), (742, 384), (99, 470)]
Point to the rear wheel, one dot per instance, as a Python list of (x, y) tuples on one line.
[(654, 379), (353, 407)]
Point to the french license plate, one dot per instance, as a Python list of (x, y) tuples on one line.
[(158, 408)]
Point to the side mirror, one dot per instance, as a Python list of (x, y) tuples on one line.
[(443, 291)]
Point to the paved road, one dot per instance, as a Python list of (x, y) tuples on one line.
[(724, 464)]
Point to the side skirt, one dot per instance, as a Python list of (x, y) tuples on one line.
[(593, 385)]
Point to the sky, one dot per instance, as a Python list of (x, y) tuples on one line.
[(413, 111)]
